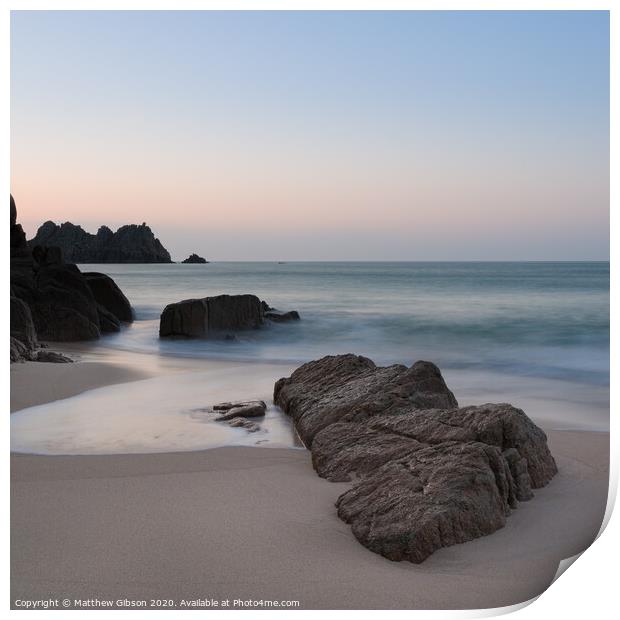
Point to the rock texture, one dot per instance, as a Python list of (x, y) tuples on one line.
[(427, 474), (194, 258), (245, 409), (129, 244), (54, 301), (345, 388)]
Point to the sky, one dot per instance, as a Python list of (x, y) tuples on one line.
[(318, 135)]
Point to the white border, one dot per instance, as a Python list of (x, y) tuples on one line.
[(588, 587)]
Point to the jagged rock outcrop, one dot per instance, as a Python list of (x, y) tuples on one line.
[(195, 259), (56, 300), (427, 473), (129, 244)]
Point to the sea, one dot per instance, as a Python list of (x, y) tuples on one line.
[(535, 334)]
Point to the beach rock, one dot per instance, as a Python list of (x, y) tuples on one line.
[(251, 427), (64, 308), (350, 387), (240, 403), (22, 326), (44, 256), (58, 296), (109, 295), (426, 474), (52, 356), (342, 449), (251, 409), (434, 496), (129, 244), (108, 323), (211, 316), (21, 256), (282, 317), (19, 351), (194, 258)]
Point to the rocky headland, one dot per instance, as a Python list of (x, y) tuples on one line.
[(129, 244), (427, 474), (218, 316), (52, 300)]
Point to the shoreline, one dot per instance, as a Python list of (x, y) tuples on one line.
[(207, 520)]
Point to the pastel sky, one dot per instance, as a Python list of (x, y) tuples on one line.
[(318, 136)]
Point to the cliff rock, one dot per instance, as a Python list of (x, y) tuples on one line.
[(129, 244)]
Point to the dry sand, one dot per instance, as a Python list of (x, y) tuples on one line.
[(257, 523)]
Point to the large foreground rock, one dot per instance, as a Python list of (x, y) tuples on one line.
[(427, 473), (211, 316), (345, 388)]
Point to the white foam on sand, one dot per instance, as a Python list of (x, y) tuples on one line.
[(163, 413), (159, 414)]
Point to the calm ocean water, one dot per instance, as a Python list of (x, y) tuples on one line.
[(532, 334), (548, 320)]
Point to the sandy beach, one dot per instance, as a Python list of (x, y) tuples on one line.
[(258, 523), (33, 383)]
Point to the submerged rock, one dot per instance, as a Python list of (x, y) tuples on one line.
[(282, 317), (251, 427), (249, 409), (428, 474)]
